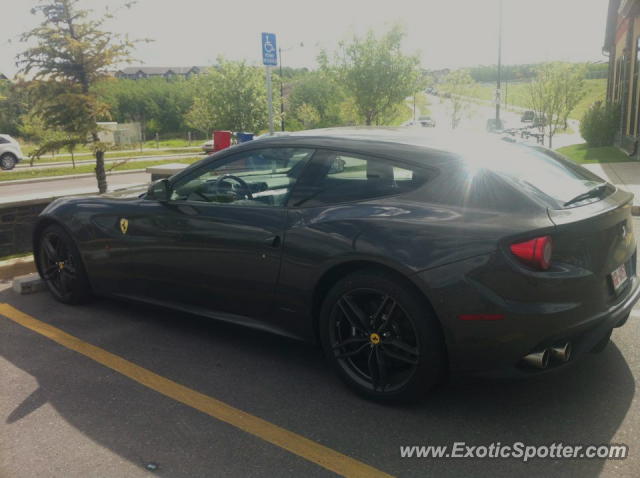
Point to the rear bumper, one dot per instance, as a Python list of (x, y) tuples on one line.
[(583, 339), (495, 348)]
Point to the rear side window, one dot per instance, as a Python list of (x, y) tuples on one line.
[(539, 171), (3, 140), (336, 177)]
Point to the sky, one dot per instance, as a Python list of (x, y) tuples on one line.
[(445, 33)]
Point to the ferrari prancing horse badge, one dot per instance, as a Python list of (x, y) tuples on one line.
[(124, 225)]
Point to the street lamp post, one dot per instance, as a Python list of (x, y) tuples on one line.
[(414, 107), (499, 65), (281, 92), (282, 85)]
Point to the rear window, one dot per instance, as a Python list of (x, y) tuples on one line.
[(538, 170)]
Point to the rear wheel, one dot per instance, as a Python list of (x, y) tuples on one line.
[(61, 266), (381, 337), (8, 161)]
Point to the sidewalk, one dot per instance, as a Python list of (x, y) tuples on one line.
[(624, 175)]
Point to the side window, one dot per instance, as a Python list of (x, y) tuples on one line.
[(339, 177), (262, 177)]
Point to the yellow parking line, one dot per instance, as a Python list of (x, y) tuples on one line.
[(292, 442)]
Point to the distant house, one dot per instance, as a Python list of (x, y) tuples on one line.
[(3, 77), (138, 72), (436, 75)]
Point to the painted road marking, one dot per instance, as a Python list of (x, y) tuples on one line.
[(297, 444)]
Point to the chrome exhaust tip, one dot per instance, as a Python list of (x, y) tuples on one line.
[(562, 352), (537, 359)]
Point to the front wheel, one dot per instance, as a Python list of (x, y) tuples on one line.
[(61, 266), (8, 161), (381, 337)]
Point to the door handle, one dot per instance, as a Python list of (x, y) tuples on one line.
[(273, 241)]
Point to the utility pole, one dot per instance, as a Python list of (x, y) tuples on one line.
[(280, 50), (414, 107), (270, 100), (498, 85), (281, 92)]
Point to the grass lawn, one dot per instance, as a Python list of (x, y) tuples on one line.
[(88, 168), (583, 154), (171, 143), (517, 95), (111, 155), (81, 150)]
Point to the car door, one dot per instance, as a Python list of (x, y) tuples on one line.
[(216, 244)]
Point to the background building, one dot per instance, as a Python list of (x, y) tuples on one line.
[(137, 72), (622, 45)]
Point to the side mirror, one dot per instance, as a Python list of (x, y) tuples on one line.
[(159, 190)]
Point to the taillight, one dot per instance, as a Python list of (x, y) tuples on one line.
[(535, 253)]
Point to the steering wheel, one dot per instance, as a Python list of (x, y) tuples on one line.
[(237, 179)]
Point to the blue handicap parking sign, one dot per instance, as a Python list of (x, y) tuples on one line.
[(269, 49)]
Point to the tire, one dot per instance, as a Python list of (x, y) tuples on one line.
[(8, 161), (61, 266), (396, 352)]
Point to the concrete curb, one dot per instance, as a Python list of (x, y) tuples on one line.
[(28, 284), (68, 176), (17, 267)]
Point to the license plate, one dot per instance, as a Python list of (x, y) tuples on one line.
[(619, 277)]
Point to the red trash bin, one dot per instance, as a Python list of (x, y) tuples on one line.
[(221, 140)]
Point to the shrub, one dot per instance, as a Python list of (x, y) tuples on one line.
[(600, 124)]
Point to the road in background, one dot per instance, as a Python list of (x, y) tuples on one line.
[(475, 119), (24, 166), (69, 186)]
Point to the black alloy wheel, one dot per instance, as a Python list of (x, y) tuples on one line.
[(61, 266), (373, 340), (382, 338)]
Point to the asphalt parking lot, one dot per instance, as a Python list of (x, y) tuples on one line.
[(112, 389)]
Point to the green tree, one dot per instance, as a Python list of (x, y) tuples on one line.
[(72, 52), (376, 73), (600, 124), (458, 87), (34, 128), (14, 103), (158, 104), (231, 96), (555, 92), (308, 116), (315, 101)]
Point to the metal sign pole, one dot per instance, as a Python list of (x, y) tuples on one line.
[(269, 59), (270, 99)]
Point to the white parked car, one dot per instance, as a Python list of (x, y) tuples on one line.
[(207, 147), (10, 152)]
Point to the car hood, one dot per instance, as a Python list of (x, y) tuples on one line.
[(129, 192)]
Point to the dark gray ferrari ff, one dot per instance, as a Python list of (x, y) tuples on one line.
[(406, 254)]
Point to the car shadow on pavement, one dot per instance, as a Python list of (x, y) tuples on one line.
[(287, 383)]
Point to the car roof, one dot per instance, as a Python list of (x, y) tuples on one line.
[(431, 146)]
